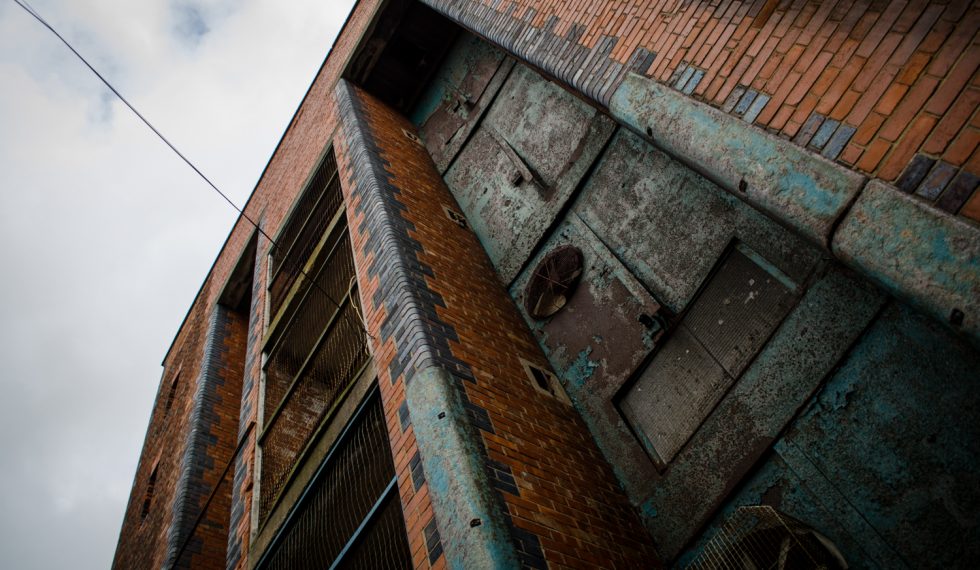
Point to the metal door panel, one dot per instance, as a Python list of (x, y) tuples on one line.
[(521, 165)]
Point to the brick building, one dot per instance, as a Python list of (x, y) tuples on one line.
[(593, 284)]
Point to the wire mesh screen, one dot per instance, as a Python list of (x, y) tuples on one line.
[(309, 317), (350, 517), (312, 214), (319, 355), (761, 538)]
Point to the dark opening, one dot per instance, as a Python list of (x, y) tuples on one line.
[(397, 59), (171, 395), (542, 379), (148, 496)]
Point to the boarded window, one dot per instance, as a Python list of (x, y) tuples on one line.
[(728, 323)]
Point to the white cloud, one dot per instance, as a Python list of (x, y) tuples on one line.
[(107, 235)]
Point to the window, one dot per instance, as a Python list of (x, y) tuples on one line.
[(148, 496), (728, 323), (315, 347), (171, 394), (350, 514)]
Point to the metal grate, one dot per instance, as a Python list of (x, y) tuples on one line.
[(318, 356), (301, 234), (762, 538), (350, 516)]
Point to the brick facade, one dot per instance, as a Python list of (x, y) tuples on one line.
[(887, 89), (143, 543)]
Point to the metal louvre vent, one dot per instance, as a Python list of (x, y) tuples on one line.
[(761, 538), (350, 516), (301, 234), (318, 356)]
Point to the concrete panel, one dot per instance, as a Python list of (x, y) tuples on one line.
[(799, 189), (458, 97), (916, 252), (669, 225), (458, 485), (608, 328), (520, 167), (803, 351), (897, 431), (883, 460)]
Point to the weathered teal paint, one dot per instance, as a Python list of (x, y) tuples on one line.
[(797, 188), (916, 252), (669, 225), (595, 344), (883, 459), (533, 125), (807, 346), (458, 483)]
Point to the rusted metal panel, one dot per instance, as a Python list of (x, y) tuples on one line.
[(669, 225), (458, 97), (741, 306), (519, 168), (673, 396), (729, 322), (607, 329)]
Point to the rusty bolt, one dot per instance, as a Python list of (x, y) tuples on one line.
[(442, 415), (956, 318), (475, 523)]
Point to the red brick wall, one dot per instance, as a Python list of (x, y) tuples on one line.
[(143, 541), (142, 544), (894, 79), (207, 548), (567, 494)]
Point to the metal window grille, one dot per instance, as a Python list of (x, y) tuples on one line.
[(760, 537), (350, 515), (310, 365), (313, 213)]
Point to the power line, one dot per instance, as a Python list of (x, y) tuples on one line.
[(30, 10)]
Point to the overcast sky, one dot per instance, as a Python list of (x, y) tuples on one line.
[(107, 235)]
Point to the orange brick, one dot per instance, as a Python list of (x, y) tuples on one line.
[(851, 154), (868, 129), (953, 121), (909, 107), (845, 105), (873, 155), (964, 146), (960, 75), (906, 147), (891, 98), (972, 207)]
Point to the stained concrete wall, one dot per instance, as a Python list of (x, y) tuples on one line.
[(652, 231)]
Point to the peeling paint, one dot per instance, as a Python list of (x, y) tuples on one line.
[(800, 189)]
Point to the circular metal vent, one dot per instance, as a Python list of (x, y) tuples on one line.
[(553, 282)]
